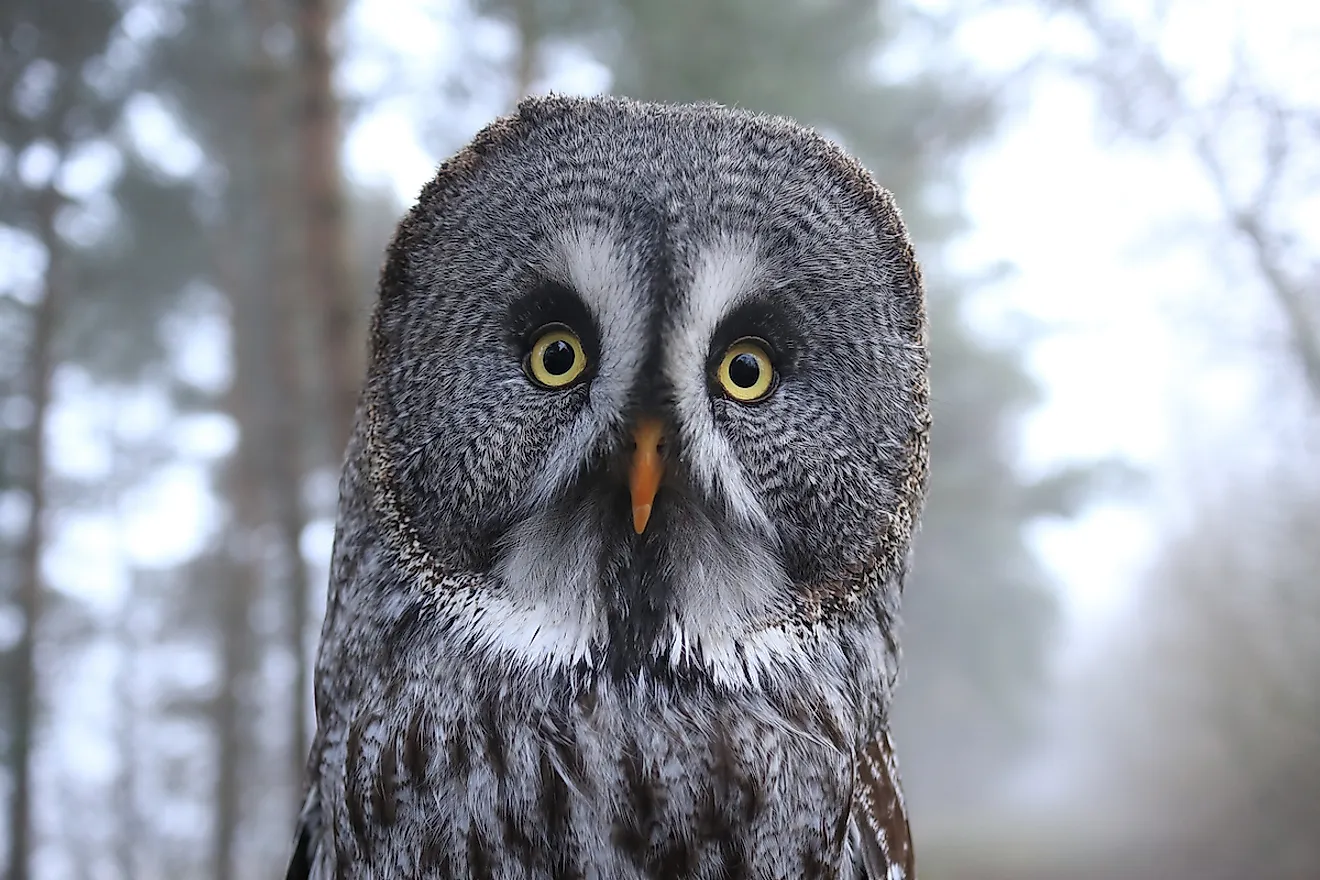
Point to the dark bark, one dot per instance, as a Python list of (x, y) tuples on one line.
[(329, 270), (528, 35), (40, 369), (275, 312), (237, 581), (128, 832)]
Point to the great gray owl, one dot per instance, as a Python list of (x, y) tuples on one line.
[(626, 514)]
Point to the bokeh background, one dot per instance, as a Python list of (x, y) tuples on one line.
[(1113, 626)]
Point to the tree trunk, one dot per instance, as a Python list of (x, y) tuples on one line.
[(237, 580), (40, 370), (128, 831), (528, 36), (237, 573), (329, 271), (24, 710), (277, 308)]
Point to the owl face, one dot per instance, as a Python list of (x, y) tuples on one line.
[(654, 379)]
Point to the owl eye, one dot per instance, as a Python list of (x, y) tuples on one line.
[(746, 373), (556, 359)]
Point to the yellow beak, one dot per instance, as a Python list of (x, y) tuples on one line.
[(647, 468)]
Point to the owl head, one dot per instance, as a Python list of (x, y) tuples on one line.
[(648, 390)]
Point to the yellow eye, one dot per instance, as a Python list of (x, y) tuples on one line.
[(557, 358), (746, 373)]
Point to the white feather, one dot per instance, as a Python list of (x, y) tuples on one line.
[(725, 273), (591, 262)]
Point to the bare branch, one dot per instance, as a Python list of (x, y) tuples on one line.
[(1130, 69)]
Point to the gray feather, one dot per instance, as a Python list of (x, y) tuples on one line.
[(510, 682)]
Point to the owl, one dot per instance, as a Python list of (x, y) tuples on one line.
[(626, 513)]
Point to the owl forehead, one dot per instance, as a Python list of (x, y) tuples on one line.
[(656, 313), (662, 244), (671, 215), (663, 224)]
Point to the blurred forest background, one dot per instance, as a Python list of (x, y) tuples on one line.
[(187, 258)]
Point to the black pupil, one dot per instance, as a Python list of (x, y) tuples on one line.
[(744, 370), (558, 358)]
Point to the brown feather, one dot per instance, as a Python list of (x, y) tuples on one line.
[(880, 815)]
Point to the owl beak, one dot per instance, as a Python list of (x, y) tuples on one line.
[(647, 468)]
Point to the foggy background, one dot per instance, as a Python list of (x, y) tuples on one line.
[(1112, 630)]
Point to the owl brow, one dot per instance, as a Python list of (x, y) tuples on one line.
[(550, 302), (761, 317)]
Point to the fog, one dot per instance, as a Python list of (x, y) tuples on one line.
[(1112, 625)]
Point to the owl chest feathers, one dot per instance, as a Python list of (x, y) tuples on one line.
[(485, 733), (552, 775)]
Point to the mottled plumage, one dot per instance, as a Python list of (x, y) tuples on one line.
[(526, 671)]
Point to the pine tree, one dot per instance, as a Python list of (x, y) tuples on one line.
[(48, 110)]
